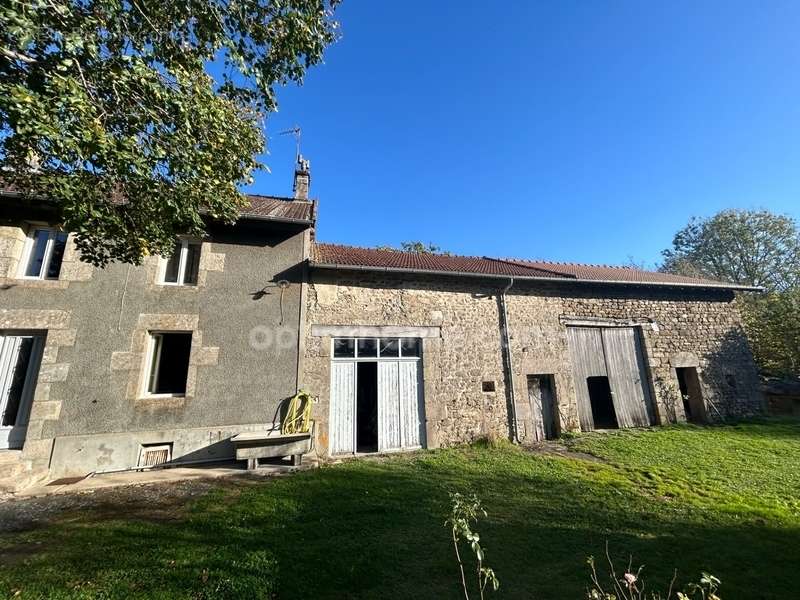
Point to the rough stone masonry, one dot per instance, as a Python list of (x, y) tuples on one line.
[(679, 328)]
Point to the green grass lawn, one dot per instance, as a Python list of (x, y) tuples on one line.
[(720, 499)]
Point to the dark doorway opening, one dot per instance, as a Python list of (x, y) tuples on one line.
[(542, 396), (603, 413), (689, 383), (367, 407)]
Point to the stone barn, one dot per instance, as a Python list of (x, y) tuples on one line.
[(404, 351)]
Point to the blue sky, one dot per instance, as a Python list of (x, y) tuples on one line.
[(582, 131)]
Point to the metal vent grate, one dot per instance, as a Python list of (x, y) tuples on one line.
[(153, 455)]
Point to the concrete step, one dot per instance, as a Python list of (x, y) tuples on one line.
[(10, 456), (12, 470)]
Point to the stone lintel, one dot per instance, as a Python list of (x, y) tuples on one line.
[(375, 331), (603, 322), (684, 359)]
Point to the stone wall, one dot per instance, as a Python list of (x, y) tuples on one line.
[(454, 365), (701, 327), (679, 328)]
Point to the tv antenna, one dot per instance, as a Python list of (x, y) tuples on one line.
[(296, 132)]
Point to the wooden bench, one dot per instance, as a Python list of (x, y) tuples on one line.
[(254, 445)]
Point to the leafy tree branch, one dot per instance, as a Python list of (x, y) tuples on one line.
[(142, 117), (756, 248)]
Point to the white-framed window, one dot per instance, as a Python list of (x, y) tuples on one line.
[(182, 266), (43, 254), (167, 363), (377, 348)]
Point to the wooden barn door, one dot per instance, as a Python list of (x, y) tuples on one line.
[(541, 397), (626, 375), (615, 353), (588, 360)]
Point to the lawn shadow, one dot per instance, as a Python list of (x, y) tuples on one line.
[(375, 530)]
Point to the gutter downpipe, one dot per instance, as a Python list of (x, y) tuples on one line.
[(509, 364)]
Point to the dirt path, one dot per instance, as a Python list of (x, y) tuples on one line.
[(154, 501), (555, 448)]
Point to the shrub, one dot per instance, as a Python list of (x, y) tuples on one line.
[(463, 513), (631, 586)]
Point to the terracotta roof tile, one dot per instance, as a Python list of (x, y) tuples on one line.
[(612, 273), (336, 255)]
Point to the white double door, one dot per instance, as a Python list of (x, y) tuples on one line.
[(20, 357), (400, 406)]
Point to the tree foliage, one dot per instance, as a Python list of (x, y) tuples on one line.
[(416, 247), (751, 248), (772, 322), (110, 107), (740, 246)]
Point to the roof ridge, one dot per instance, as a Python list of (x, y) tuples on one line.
[(524, 262), (282, 198), (578, 264), (399, 251)]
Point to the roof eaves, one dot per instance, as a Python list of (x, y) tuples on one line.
[(680, 281), (5, 193), (274, 219), (668, 284)]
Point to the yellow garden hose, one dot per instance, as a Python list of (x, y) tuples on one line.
[(298, 415)]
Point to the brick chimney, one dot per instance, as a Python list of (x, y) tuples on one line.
[(302, 178)]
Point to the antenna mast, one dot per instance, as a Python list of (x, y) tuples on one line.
[(296, 132)]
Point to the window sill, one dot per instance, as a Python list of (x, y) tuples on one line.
[(161, 402), (34, 278), (178, 286)]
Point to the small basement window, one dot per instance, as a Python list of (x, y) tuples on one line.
[(183, 266), (151, 455), (488, 386), (168, 363), (44, 252)]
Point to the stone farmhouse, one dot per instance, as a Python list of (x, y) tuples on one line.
[(133, 367)]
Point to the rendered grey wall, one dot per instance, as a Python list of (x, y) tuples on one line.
[(247, 356)]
